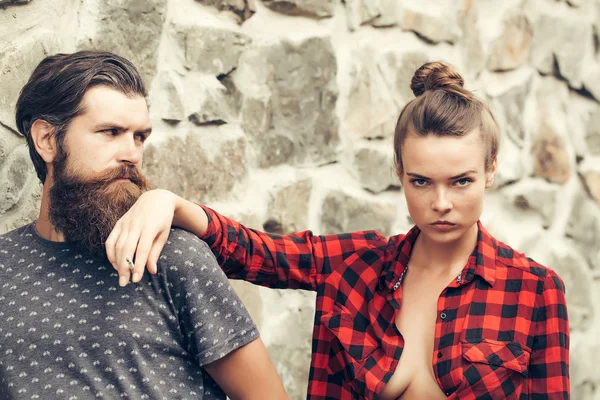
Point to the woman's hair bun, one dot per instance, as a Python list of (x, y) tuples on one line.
[(437, 75)]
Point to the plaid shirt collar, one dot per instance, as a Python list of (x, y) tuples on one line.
[(482, 261)]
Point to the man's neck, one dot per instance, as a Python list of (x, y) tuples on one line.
[(44, 227)]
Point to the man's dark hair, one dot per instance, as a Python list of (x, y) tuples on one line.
[(56, 88)]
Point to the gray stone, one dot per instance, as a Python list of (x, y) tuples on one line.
[(576, 275), (14, 175), (589, 171), (389, 14), (551, 160), (591, 179), (564, 256), (591, 78), (8, 142), (534, 194), (433, 28), (288, 209), (470, 43), (210, 50), (584, 371), (592, 135), (372, 111), (342, 212), (397, 69), (584, 227), (361, 12), (207, 102), (171, 107), (510, 164), (242, 9), (308, 8), (204, 166), (511, 49), (288, 107), (6, 3), (26, 210), (572, 268), (509, 107), (17, 62), (565, 40), (375, 165), (289, 348), (131, 29)]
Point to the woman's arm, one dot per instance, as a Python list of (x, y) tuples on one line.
[(298, 260), (549, 363)]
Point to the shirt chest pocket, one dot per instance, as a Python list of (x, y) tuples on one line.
[(351, 344), (498, 369)]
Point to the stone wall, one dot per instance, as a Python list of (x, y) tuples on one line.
[(280, 113)]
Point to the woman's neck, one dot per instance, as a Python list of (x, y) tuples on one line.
[(444, 258)]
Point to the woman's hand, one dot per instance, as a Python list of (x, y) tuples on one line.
[(141, 234)]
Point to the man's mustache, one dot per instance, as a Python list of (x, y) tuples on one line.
[(128, 172)]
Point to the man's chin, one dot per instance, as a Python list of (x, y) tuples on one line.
[(88, 214)]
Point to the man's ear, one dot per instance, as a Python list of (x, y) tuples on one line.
[(491, 174), (44, 140)]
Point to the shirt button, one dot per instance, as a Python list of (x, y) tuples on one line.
[(440, 354), (443, 315)]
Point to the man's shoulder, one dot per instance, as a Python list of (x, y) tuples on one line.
[(15, 237), (184, 242), (185, 251), (17, 232)]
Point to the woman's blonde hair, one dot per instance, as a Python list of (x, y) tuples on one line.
[(443, 107)]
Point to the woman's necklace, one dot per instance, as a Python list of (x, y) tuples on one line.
[(399, 283)]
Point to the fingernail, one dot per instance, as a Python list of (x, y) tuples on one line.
[(122, 281), (136, 277)]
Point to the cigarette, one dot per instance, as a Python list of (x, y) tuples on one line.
[(131, 266)]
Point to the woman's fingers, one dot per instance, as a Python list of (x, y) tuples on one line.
[(141, 257), (139, 236), (124, 257), (109, 245), (155, 251)]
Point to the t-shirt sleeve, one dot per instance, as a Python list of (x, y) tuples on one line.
[(212, 318)]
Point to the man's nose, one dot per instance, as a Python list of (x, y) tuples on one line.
[(130, 152)]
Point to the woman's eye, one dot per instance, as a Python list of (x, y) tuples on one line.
[(419, 182), (463, 182)]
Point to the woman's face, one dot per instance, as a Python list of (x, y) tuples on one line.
[(444, 181)]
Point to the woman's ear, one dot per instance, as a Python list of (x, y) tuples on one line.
[(490, 175), (44, 140)]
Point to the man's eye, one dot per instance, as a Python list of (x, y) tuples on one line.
[(141, 137), (112, 132)]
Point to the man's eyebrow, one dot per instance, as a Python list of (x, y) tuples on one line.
[(471, 171), (120, 128)]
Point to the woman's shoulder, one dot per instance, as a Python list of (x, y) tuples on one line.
[(518, 263)]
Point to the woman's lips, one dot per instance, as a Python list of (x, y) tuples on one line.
[(443, 225)]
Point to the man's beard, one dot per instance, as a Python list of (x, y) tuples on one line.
[(85, 210)]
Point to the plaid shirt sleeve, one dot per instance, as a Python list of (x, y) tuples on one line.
[(297, 261), (549, 363)]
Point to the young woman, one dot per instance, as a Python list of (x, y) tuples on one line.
[(443, 311)]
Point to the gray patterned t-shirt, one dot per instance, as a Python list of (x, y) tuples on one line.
[(68, 331)]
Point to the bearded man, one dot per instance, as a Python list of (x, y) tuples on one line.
[(69, 332)]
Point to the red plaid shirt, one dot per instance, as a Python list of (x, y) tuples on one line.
[(501, 333)]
